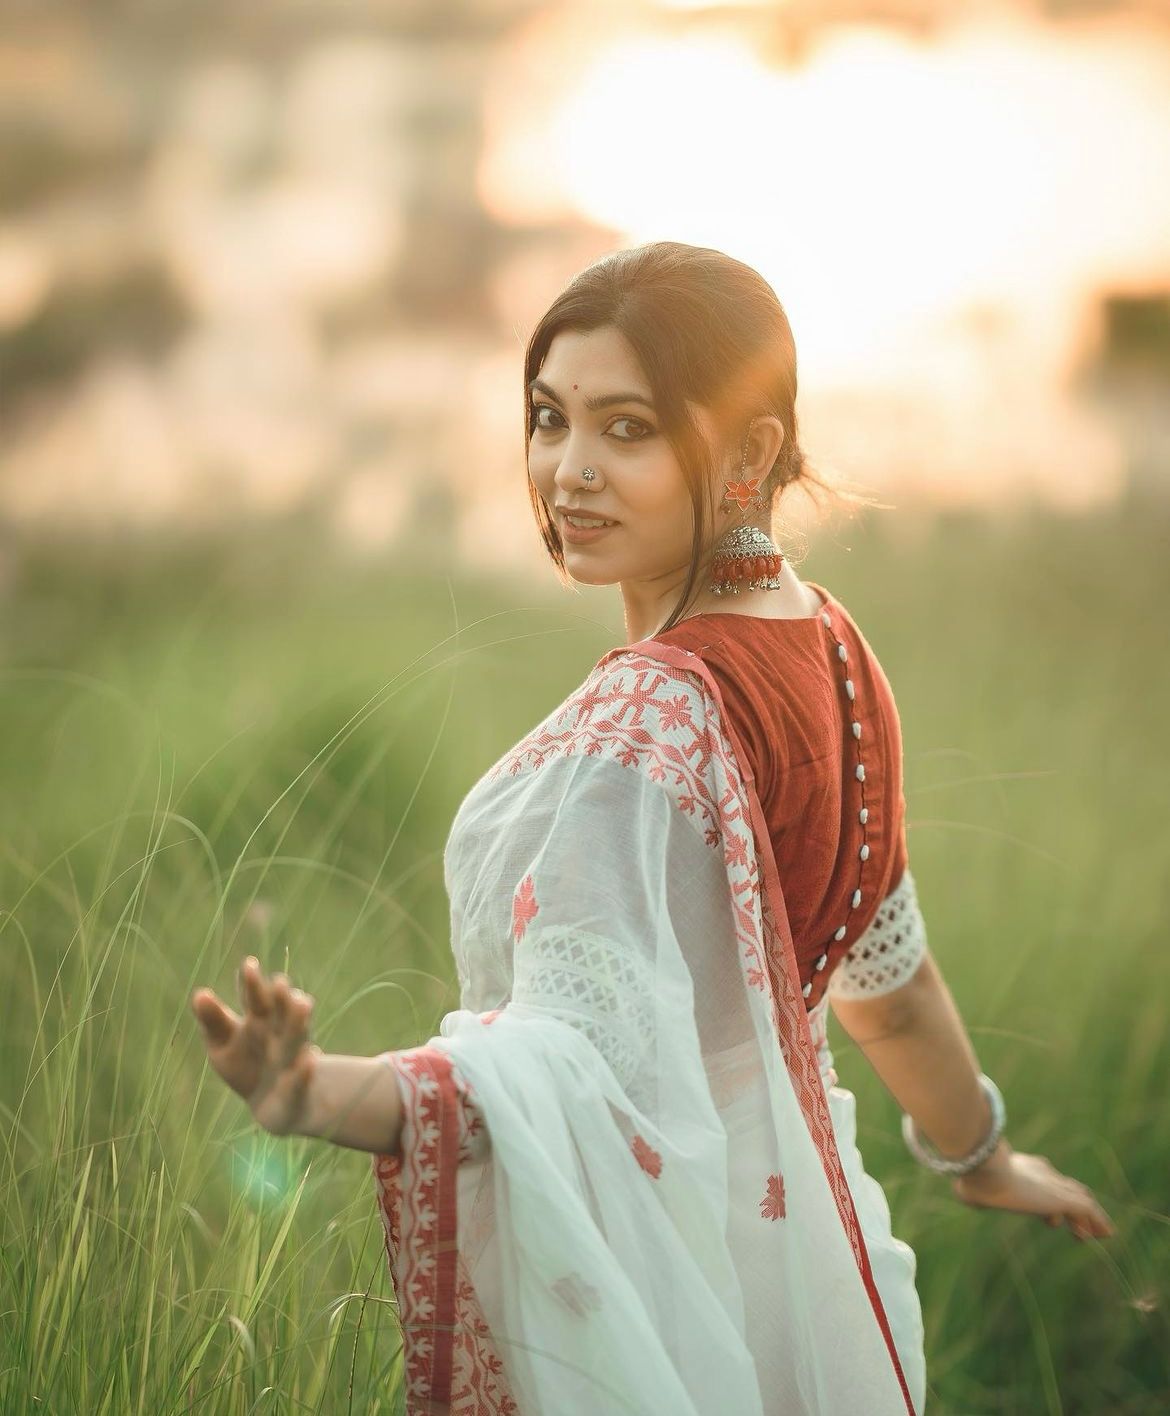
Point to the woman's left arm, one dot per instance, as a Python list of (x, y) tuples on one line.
[(293, 1088), (914, 1039)]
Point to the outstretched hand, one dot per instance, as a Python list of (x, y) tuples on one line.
[(1030, 1184), (265, 1056)]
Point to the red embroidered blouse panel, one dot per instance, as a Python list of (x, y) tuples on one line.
[(783, 685)]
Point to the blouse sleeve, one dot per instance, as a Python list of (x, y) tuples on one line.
[(888, 953)]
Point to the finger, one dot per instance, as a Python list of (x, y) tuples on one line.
[(1099, 1217), (1095, 1222), (1082, 1224), (1093, 1218), (300, 1011), (300, 1004), (281, 997), (218, 1021), (296, 1030), (253, 989)]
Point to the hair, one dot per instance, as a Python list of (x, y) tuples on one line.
[(706, 329)]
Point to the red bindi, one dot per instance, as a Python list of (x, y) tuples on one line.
[(574, 385)]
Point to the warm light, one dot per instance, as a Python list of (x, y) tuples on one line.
[(884, 182), (934, 216)]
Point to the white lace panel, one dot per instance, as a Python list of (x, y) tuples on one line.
[(890, 950), (598, 985)]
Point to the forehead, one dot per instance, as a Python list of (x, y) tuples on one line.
[(592, 358)]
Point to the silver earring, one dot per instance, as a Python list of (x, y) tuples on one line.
[(745, 555)]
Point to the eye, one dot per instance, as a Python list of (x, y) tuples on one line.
[(537, 410), (643, 433), (642, 430)]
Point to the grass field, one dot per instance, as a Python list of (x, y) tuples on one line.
[(254, 748)]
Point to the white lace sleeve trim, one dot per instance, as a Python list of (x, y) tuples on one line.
[(890, 950)]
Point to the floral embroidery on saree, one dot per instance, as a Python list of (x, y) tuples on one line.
[(772, 1205), (524, 907), (647, 1157)]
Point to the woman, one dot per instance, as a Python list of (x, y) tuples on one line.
[(622, 1177)]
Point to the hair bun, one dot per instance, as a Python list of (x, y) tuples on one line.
[(795, 466)]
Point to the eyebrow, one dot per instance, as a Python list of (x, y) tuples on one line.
[(602, 400)]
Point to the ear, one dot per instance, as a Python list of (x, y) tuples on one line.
[(764, 442)]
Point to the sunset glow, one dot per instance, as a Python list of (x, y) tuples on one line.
[(883, 183), (916, 205)]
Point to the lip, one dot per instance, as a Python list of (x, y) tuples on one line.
[(577, 537)]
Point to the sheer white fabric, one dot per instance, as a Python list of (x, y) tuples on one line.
[(650, 1213), (887, 953)]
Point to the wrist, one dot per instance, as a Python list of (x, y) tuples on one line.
[(353, 1102), (926, 1154), (315, 1112), (998, 1161)]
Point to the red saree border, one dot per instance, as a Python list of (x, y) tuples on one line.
[(447, 1347), (785, 995)]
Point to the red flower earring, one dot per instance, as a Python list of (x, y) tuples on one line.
[(745, 555)]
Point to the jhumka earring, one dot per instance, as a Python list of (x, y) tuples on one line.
[(745, 555)]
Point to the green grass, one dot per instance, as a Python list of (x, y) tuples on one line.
[(254, 748)]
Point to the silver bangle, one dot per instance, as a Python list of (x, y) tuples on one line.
[(926, 1154)]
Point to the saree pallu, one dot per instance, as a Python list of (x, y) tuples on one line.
[(627, 1180)]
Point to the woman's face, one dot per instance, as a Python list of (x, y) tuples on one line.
[(639, 482)]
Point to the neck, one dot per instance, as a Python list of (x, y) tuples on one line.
[(648, 607)]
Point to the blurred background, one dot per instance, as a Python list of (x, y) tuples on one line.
[(272, 598), (257, 257)]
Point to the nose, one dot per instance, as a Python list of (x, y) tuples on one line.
[(571, 465)]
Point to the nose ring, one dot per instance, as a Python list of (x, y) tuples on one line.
[(588, 474)]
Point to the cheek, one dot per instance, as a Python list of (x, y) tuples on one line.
[(542, 472), (660, 502)]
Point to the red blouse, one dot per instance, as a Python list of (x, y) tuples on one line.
[(787, 690)]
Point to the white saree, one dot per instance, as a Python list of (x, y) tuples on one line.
[(627, 1180)]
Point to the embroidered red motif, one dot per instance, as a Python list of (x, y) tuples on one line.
[(772, 1205), (524, 906), (647, 1157)]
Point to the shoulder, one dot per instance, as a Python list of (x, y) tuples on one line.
[(658, 688), (645, 717), (696, 649), (639, 707), (746, 691)]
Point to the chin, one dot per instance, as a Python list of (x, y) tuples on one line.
[(587, 577)]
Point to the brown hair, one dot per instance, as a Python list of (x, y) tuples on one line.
[(707, 329)]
